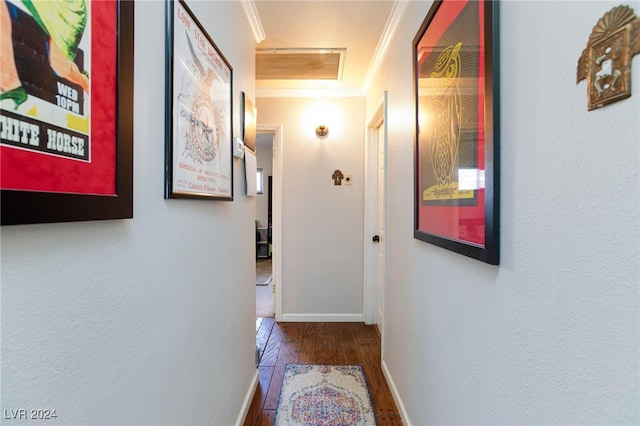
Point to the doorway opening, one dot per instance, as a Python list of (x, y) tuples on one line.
[(265, 306), (268, 222)]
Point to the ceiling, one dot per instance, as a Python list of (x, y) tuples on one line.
[(359, 30)]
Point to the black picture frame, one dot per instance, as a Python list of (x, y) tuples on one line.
[(456, 200), (31, 207), (199, 115)]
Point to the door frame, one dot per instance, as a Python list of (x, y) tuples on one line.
[(371, 211), (276, 225)]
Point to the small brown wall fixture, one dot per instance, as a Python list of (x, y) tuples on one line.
[(337, 177), (606, 61)]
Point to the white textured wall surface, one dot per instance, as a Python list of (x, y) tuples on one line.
[(141, 321), (551, 335), (321, 223)]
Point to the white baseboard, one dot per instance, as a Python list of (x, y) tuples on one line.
[(396, 396), (322, 318), (246, 404)]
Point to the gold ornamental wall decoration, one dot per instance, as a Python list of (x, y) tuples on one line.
[(606, 61)]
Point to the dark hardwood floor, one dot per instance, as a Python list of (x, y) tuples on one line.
[(317, 343)]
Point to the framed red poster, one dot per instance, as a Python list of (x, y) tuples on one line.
[(66, 111), (456, 147)]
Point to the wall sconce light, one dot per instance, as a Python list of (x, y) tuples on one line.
[(322, 130)]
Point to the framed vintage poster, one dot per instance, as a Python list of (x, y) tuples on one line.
[(66, 111), (456, 144), (249, 122), (199, 161)]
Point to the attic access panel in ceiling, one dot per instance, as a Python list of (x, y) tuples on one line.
[(299, 64)]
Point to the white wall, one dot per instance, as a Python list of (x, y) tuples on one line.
[(148, 320), (322, 231), (551, 335)]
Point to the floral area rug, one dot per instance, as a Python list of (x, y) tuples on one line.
[(324, 395)]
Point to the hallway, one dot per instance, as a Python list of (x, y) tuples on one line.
[(317, 343), (152, 320)]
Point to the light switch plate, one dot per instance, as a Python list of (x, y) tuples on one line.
[(238, 148)]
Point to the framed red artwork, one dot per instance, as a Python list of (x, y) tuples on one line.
[(456, 146), (66, 111)]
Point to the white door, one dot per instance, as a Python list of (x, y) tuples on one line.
[(380, 274), (374, 208)]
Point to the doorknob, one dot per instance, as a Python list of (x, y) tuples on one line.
[(376, 238)]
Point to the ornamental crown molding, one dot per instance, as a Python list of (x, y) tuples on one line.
[(250, 11)]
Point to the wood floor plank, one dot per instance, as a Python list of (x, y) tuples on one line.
[(369, 352), (270, 354), (271, 400), (388, 420), (325, 348), (267, 417), (325, 342), (326, 357), (379, 391), (307, 350), (263, 334), (264, 380), (309, 329), (289, 354), (291, 331), (350, 345), (277, 332)]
